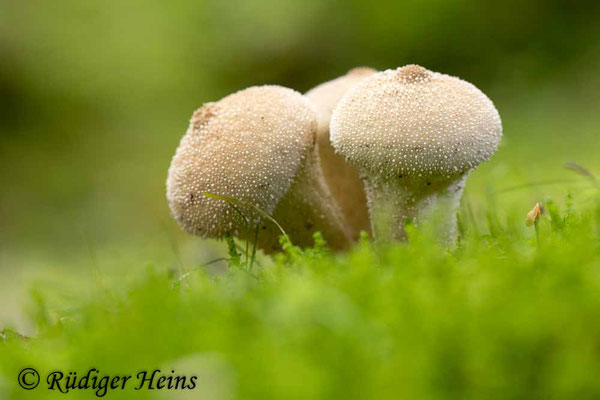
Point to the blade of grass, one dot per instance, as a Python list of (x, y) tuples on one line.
[(254, 245), (246, 223), (244, 218), (184, 276), (233, 201), (234, 256), (582, 171)]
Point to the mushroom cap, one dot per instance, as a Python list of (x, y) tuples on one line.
[(414, 122), (247, 146), (327, 95)]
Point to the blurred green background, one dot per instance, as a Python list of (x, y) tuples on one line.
[(96, 95)]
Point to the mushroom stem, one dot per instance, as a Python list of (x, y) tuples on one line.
[(309, 207), (346, 188), (394, 201)]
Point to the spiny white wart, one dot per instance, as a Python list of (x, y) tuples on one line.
[(414, 135), (342, 179), (253, 146)]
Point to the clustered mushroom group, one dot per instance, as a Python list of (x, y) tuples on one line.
[(368, 151)]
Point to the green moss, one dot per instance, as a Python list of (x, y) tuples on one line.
[(499, 316)]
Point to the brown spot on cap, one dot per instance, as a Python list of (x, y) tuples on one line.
[(202, 115), (413, 74)]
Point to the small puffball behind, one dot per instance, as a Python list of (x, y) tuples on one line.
[(342, 179), (414, 135)]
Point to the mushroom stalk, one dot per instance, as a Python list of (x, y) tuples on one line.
[(309, 207), (394, 202)]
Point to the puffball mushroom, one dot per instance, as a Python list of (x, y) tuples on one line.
[(256, 146), (342, 179), (415, 135)]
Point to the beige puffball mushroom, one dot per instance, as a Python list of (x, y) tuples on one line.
[(257, 146), (342, 179), (415, 135)]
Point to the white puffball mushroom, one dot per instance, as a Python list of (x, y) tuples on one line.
[(342, 179), (256, 146), (415, 135)]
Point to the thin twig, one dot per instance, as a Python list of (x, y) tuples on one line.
[(184, 276)]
